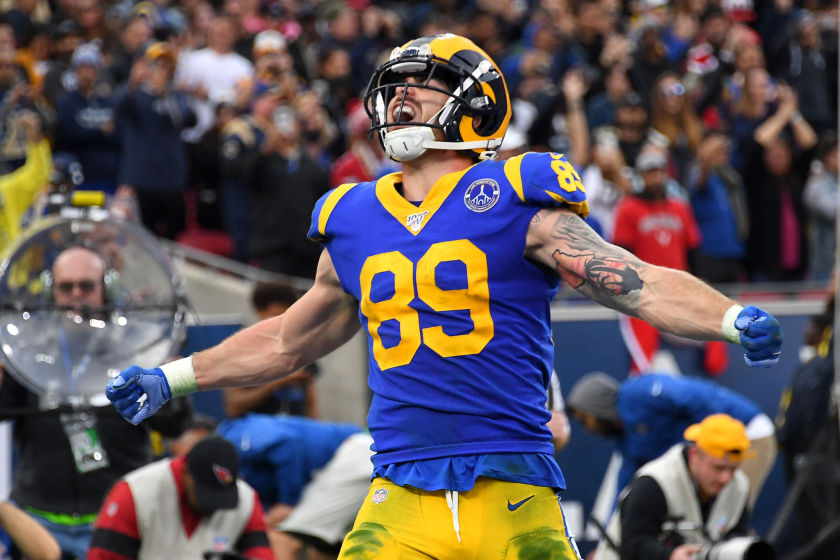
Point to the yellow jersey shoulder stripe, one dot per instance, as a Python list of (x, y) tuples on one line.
[(330, 203)]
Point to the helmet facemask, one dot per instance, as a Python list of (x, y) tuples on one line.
[(467, 100)]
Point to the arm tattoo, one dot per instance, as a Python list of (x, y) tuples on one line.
[(605, 273)]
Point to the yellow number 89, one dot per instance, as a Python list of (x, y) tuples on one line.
[(475, 298)]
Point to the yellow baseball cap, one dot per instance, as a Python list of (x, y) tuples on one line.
[(721, 436)]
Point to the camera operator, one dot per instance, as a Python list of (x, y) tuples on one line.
[(691, 503), (68, 458), (646, 416)]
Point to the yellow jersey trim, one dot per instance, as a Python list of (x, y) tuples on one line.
[(581, 208), (329, 205), (513, 172), (401, 209)]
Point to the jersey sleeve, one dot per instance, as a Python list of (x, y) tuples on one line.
[(318, 230), (547, 180)]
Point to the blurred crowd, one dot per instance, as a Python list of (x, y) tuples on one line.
[(703, 129)]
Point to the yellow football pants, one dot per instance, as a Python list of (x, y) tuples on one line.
[(494, 520)]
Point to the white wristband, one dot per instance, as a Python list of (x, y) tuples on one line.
[(181, 377), (730, 333)]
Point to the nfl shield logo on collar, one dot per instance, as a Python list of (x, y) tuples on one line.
[(379, 495)]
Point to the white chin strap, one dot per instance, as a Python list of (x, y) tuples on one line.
[(406, 144)]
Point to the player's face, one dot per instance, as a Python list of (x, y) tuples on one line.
[(421, 104), (77, 279), (710, 473)]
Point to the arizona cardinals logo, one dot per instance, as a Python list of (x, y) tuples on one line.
[(222, 474)]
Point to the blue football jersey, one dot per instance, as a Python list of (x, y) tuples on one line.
[(458, 320)]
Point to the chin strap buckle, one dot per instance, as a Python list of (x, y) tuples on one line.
[(490, 155)]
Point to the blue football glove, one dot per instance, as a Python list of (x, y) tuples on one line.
[(126, 392), (761, 337)]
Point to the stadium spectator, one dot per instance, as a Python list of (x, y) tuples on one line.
[(54, 480), (631, 121), (287, 183), (647, 415), (659, 229), (86, 123), (19, 189), (244, 139), (294, 394), (601, 108), (182, 507), (67, 36), (718, 198), (775, 170), (821, 202), (134, 34), (311, 476), (674, 117), (206, 72), (151, 116), (607, 179), (801, 63), (701, 484)]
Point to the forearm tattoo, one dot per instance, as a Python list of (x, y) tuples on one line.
[(603, 272)]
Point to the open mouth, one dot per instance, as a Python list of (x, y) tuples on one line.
[(406, 114)]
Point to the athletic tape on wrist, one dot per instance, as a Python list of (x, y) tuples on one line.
[(730, 333), (181, 377)]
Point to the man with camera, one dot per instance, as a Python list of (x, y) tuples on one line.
[(184, 507), (689, 504)]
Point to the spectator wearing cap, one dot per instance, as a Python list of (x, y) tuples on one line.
[(208, 71), (151, 116), (701, 484), (658, 229), (67, 36), (608, 179), (719, 201), (182, 508), (86, 123), (821, 202), (631, 121), (646, 415), (650, 59)]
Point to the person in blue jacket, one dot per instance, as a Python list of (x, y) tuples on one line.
[(647, 415), (151, 115), (86, 125), (311, 476)]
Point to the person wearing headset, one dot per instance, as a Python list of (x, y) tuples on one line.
[(59, 480)]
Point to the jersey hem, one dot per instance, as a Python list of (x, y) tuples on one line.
[(458, 449)]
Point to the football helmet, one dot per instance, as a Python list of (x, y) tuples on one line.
[(475, 117)]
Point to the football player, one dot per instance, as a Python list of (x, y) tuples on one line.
[(450, 267)]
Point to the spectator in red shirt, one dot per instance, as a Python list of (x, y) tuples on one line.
[(660, 230), (181, 508)]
